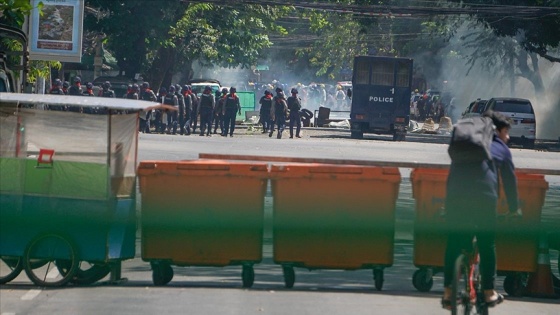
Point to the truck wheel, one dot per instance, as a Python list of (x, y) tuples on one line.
[(356, 135)]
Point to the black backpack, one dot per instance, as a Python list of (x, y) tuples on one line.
[(471, 140)]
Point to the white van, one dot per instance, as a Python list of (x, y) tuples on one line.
[(522, 118)]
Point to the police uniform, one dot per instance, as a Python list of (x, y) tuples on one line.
[(231, 108), (206, 110), (294, 105)]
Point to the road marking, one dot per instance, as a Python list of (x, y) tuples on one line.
[(30, 295), (8, 314)]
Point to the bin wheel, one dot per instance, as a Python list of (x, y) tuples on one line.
[(378, 278), (422, 280), (289, 276), (514, 284), (162, 273), (248, 276), (42, 256), (87, 272), (10, 268)]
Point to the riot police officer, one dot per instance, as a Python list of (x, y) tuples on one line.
[(89, 90), (65, 87), (106, 90), (294, 105), (279, 112), (206, 110), (76, 88), (264, 113), (132, 93), (57, 89), (218, 117), (231, 108)]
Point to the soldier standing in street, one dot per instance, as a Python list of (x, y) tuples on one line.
[(279, 112), (172, 100), (294, 105), (264, 113), (218, 117), (146, 94), (106, 90), (181, 113), (206, 110), (188, 109), (231, 108), (76, 90), (133, 92), (194, 112)]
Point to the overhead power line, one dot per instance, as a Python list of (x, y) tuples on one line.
[(526, 12)]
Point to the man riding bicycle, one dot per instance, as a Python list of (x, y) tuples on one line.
[(472, 194)]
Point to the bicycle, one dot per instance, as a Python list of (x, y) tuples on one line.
[(466, 275), (466, 290)]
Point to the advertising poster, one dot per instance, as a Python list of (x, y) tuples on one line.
[(57, 33)]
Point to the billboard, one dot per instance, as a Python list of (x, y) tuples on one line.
[(57, 33)]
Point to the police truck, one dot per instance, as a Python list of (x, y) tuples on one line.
[(381, 89)]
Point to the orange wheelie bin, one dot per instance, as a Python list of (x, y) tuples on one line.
[(202, 213), (516, 241), (333, 217)]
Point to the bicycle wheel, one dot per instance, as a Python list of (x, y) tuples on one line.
[(460, 300), (45, 251), (10, 268)]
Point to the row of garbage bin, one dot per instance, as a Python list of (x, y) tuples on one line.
[(211, 213)]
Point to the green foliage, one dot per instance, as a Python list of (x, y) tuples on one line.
[(15, 11)]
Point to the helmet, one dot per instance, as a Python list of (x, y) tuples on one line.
[(89, 85), (185, 88), (57, 82), (339, 87), (207, 88), (177, 87), (224, 90), (77, 79), (145, 85), (172, 89), (280, 95), (162, 90), (129, 87), (135, 87), (106, 84), (232, 90), (278, 90), (267, 92), (294, 91), (66, 84)]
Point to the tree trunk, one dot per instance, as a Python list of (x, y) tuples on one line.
[(533, 75)]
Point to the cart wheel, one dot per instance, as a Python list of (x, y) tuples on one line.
[(378, 278), (42, 255), (248, 276), (514, 284), (422, 281), (10, 268), (87, 273), (162, 273), (289, 276)]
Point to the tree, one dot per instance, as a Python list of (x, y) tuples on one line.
[(160, 38)]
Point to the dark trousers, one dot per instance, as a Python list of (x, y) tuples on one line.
[(229, 121), (295, 119), (265, 121), (194, 119), (479, 222), (181, 120), (206, 120), (219, 122), (172, 121)]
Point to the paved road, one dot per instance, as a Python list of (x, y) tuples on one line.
[(210, 290)]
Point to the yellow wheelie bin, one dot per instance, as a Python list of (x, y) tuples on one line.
[(516, 241), (333, 217), (202, 213)]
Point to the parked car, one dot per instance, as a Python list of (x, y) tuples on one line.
[(198, 85), (475, 108), (522, 117)]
